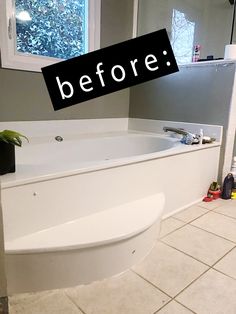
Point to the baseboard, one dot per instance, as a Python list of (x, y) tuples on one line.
[(181, 208)]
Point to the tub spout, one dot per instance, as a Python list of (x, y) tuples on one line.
[(175, 130), (188, 138)]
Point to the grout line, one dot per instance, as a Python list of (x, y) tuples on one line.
[(191, 283), (184, 222), (151, 283), (210, 266), (223, 257), (162, 240), (71, 299), (174, 298), (212, 208), (185, 307), (223, 214), (203, 214), (163, 306), (219, 271), (189, 222), (234, 242), (216, 235), (186, 254), (174, 229), (176, 302)]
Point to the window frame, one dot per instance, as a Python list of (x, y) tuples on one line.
[(20, 61)]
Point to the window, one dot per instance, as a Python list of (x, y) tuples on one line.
[(36, 33), (182, 37)]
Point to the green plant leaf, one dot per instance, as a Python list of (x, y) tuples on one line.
[(12, 137)]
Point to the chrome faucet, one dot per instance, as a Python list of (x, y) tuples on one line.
[(188, 138), (179, 131)]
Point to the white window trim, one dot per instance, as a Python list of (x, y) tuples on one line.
[(11, 60), (135, 18)]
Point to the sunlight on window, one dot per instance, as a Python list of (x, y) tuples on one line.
[(54, 28), (182, 37)]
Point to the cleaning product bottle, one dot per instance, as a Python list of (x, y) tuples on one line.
[(196, 53), (233, 170), (227, 186), (201, 137)]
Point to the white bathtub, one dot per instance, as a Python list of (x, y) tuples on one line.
[(46, 158), (90, 206)]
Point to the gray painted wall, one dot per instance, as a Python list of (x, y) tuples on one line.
[(23, 95), (211, 21), (199, 94), (194, 94)]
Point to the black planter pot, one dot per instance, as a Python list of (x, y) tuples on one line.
[(7, 158)]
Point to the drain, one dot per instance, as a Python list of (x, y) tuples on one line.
[(58, 138)]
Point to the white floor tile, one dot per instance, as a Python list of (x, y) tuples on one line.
[(170, 224), (191, 213), (54, 302), (227, 264), (213, 293), (213, 204), (125, 294), (169, 269), (218, 224), (229, 209), (198, 243)]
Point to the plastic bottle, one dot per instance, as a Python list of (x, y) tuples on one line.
[(233, 170), (227, 186), (201, 137), (196, 53)]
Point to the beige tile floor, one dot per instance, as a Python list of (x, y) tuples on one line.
[(192, 269)]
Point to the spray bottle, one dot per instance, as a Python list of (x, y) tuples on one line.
[(233, 170)]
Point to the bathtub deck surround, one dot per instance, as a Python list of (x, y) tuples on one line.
[(114, 167)]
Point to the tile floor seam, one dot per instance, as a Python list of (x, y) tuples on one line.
[(163, 306), (185, 223), (194, 218), (234, 242), (221, 214), (71, 299), (209, 266), (208, 208), (173, 299), (223, 256), (185, 253), (152, 284), (185, 306), (191, 283), (224, 215), (221, 272)]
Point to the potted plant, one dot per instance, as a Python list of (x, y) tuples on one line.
[(8, 140)]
